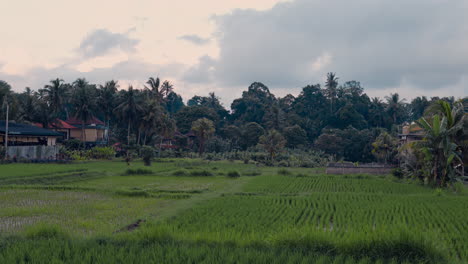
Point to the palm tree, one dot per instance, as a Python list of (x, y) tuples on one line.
[(166, 88), (154, 88), (128, 109), (84, 103), (203, 129), (151, 119), (394, 106), (106, 100), (331, 86), (54, 94)]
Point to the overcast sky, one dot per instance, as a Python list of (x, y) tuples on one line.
[(417, 47)]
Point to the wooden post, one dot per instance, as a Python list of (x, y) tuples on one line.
[(6, 129)]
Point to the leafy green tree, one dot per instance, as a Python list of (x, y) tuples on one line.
[(385, 148), (251, 133), (272, 142), (203, 129), (187, 115), (295, 136), (174, 103), (253, 105)]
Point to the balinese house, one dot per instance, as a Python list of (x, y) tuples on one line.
[(96, 132), (61, 127), (29, 142)]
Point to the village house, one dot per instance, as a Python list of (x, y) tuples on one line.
[(96, 132), (29, 141), (411, 133)]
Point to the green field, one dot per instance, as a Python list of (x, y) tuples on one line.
[(190, 211)]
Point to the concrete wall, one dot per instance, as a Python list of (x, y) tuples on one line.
[(33, 152)]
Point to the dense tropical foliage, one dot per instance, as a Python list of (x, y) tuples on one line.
[(338, 119)]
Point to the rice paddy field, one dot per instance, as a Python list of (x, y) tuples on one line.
[(193, 211)]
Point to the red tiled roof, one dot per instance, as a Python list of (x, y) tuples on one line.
[(92, 120), (58, 123)]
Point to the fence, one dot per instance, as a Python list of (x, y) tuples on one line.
[(33, 152), (351, 168)]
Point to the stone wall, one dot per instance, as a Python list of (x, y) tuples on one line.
[(33, 152)]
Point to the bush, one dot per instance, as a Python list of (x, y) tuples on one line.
[(107, 153), (138, 172), (180, 173), (284, 172), (73, 144), (233, 174), (397, 172), (201, 173), (147, 154)]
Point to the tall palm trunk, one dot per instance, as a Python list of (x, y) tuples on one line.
[(128, 132)]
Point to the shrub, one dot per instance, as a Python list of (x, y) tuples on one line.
[(107, 153), (73, 144), (147, 154), (201, 173), (233, 174), (180, 173), (138, 172), (284, 172)]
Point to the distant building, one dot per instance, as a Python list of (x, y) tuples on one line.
[(29, 142), (27, 135), (95, 130), (411, 133)]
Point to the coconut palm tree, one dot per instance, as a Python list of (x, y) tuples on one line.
[(166, 88), (203, 129), (106, 101), (84, 103), (128, 109), (154, 88), (331, 86), (395, 106), (55, 94), (151, 118)]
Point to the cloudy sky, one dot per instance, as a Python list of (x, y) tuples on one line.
[(417, 47)]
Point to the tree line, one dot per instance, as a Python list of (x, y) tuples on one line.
[(337, 118)]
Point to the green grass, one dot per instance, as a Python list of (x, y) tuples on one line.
[(195, 213)]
